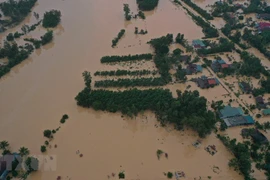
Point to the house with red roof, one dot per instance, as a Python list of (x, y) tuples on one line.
[(205, 82), (262, 26)]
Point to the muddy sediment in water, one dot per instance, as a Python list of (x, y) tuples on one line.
[(37, 92)]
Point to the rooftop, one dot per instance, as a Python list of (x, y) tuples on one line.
[(266, 112), (229, 111), (238, 120)]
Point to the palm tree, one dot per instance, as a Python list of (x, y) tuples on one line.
[(4, 145), (24, 151)]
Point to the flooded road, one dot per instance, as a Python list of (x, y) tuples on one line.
[(35, 95)]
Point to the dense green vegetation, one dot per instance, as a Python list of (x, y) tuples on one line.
[(255, 6), (224, 46), (242, 161), (124, 73), (64, 118), (161, 45), (265, 83), (147, 5), (259, 41), (127, 12), (201, 11), (45, 39), (188, 109), (251, 66), (180, 39), (115, 40), (110, 59), (14, 54), (130, 82), (219, 9), (181, 74), (236, 38), (16, 11), (51, 19)]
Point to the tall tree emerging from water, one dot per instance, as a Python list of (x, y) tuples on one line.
[(51, 19)]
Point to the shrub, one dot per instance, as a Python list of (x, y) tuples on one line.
[(169, 175), (43, 149), (10, 37), (121, 175)]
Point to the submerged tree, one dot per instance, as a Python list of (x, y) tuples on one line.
[(24, 151), (4, 145), (51, 19)]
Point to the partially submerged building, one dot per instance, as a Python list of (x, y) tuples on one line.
[(185, 58), (193, 69), (245, 87), (260, 102), (233, 116), (198, 44), (264, 16), (219, 65), (205, 82), (266, 112), (256, 135), (6, 164), (263, 26)]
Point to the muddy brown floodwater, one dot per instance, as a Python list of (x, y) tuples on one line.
[(36, 93)]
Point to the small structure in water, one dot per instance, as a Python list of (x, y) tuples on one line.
[(255, 134), (179, 174), (211, 149), (197, 144), (245, 87)]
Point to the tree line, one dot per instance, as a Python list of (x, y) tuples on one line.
[(127, 12), (188, 109), (242, 161), (130, 82), (224, 46), (251, 66), (124, 73), (259, 41), (201, 11), (208, 30), (119, 35), (110, 59), (25, 29), (45, 39)]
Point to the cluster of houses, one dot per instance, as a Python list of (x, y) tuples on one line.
[(206, 82), (233, 116)]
